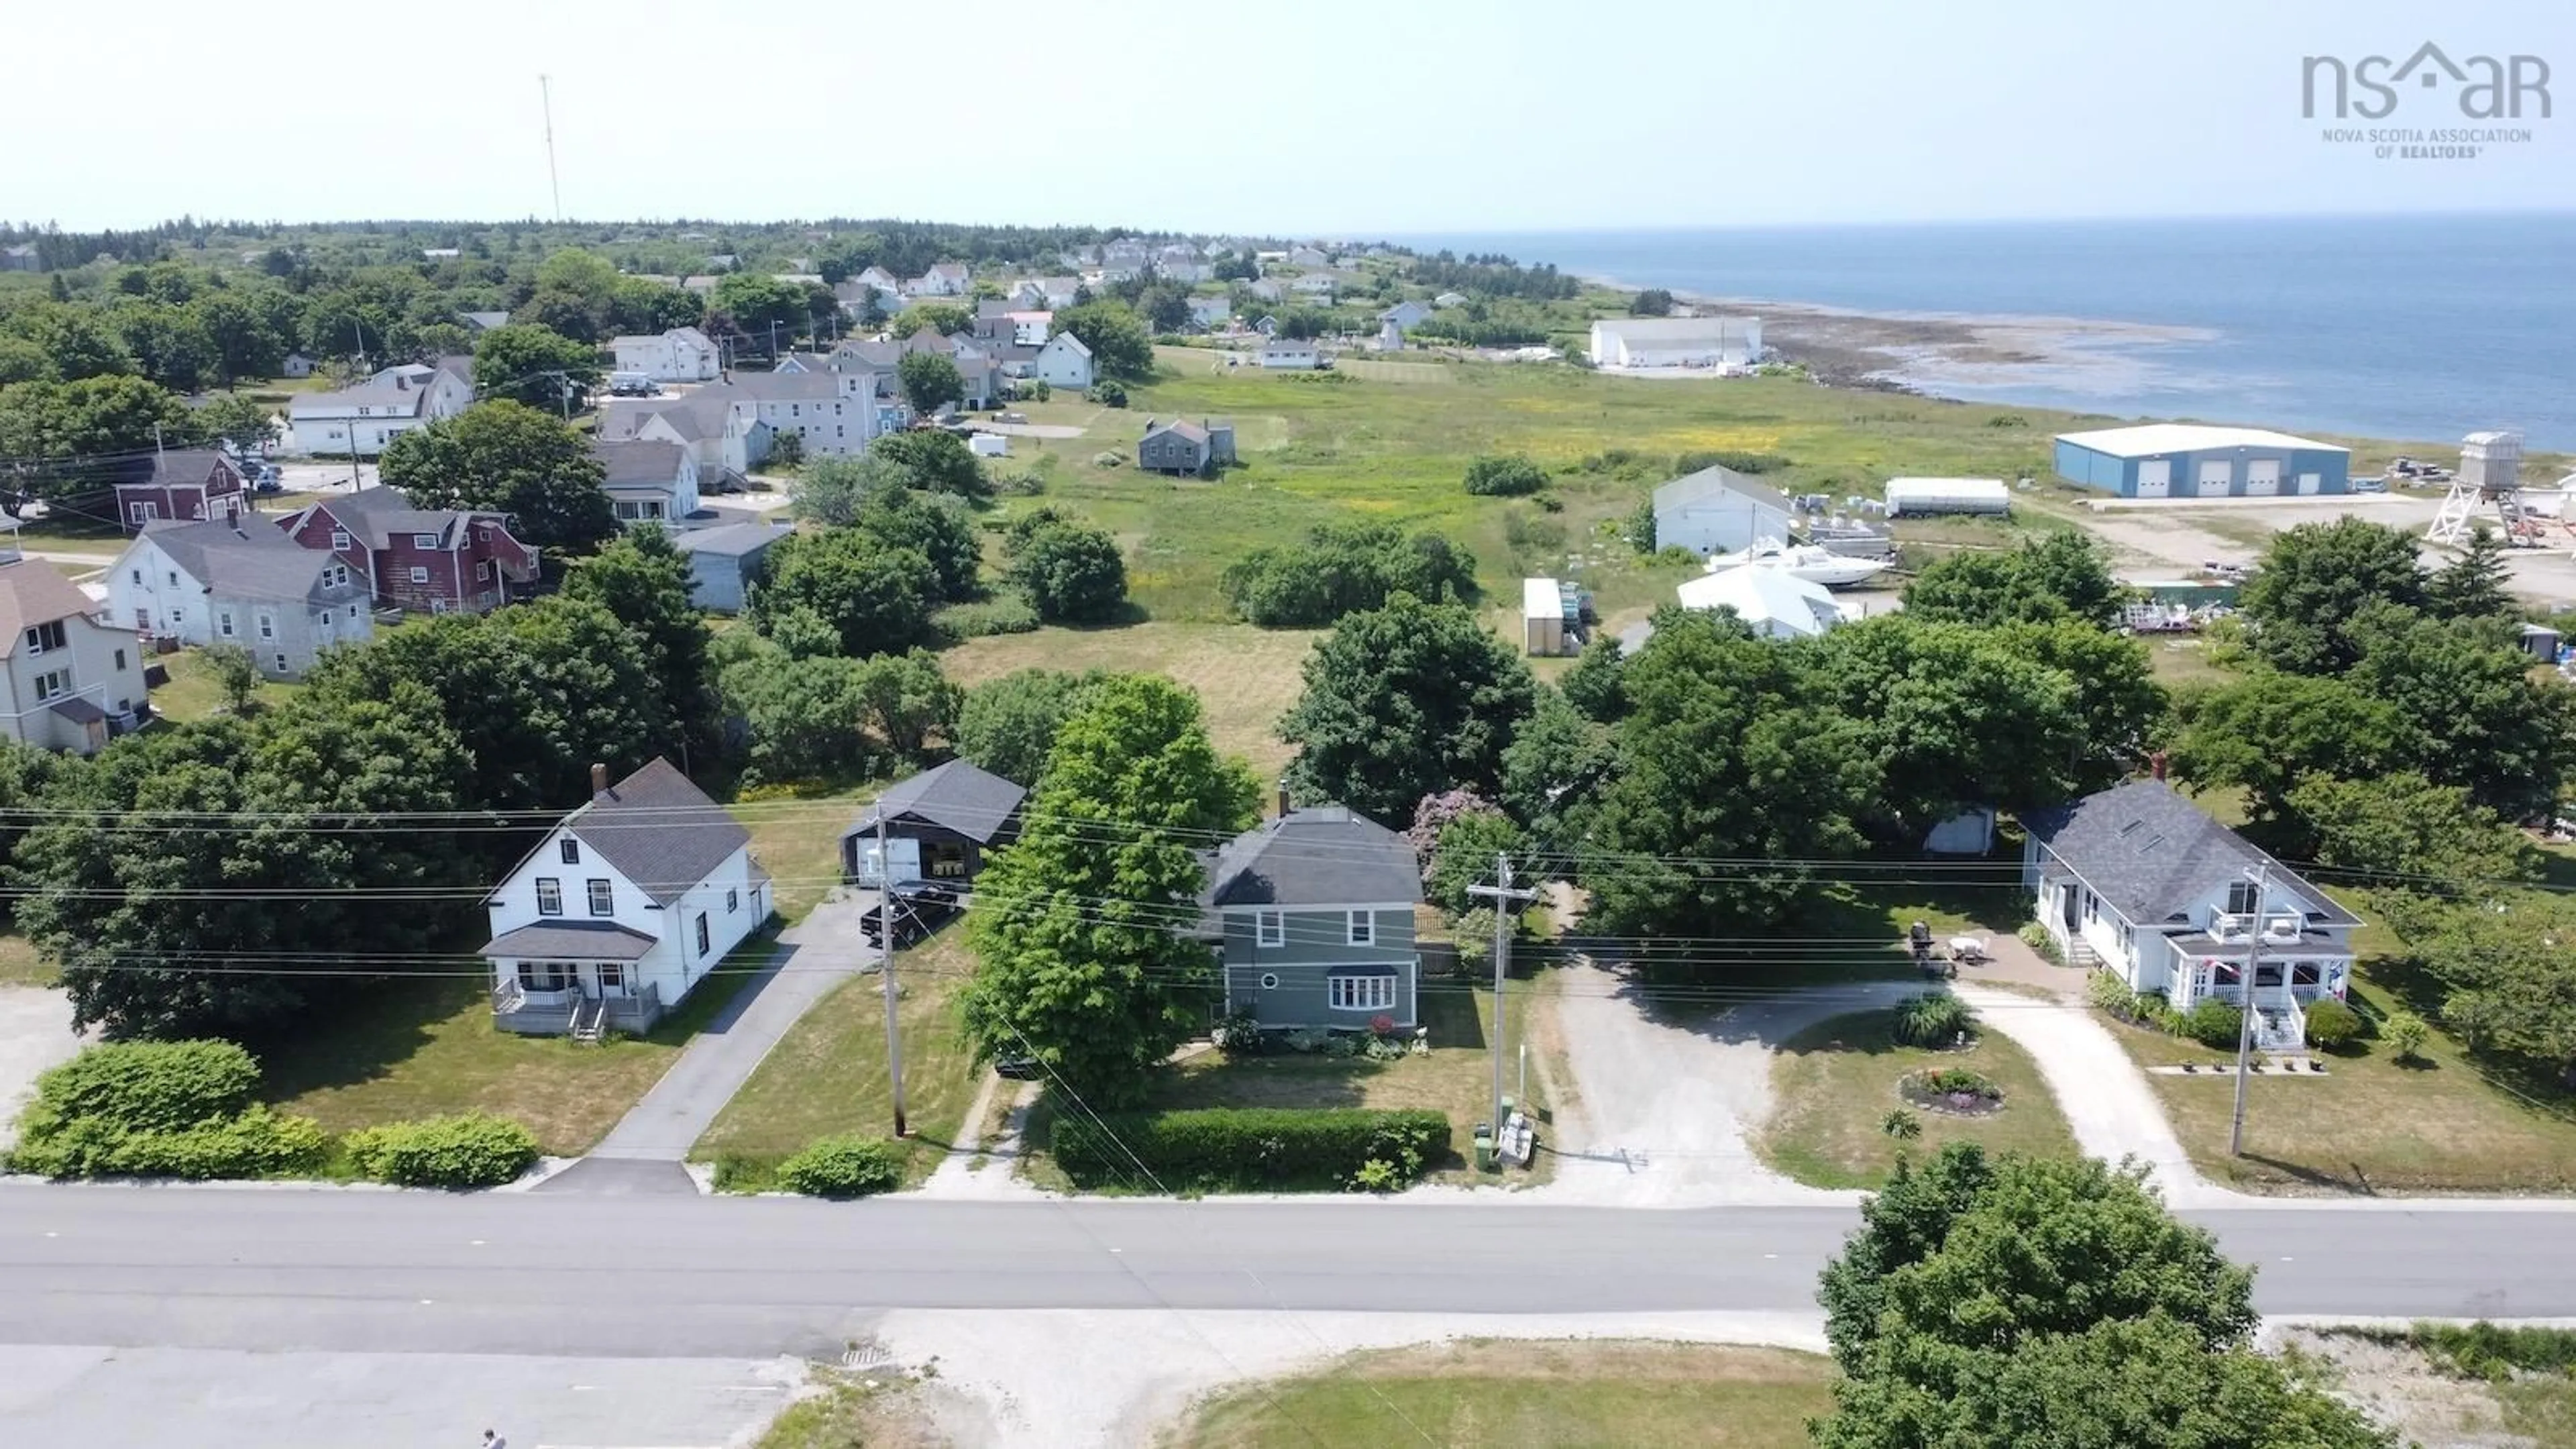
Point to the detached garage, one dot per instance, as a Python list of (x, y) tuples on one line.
[(2189, 460)]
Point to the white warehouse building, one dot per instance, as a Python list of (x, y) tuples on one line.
[(1727, 344)]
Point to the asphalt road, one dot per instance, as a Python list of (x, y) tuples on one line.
[(282, 1270)]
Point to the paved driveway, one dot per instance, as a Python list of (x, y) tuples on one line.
[(1667, 1102), (643, 1152), (35, 1033)]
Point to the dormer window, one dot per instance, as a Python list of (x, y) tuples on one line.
[(2242, 898)]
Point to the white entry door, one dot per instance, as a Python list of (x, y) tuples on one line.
[(2262, 477), (2310, 482), (2155, 477), (2216, 477)]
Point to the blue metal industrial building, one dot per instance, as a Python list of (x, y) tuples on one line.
[(2188, 460)]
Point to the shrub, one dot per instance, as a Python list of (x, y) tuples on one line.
[(2158, 1014), (256, 1142), (1932, 1019), (1238, 1034), (1109, 394), (1250, 1149), (471, 1149), (2332, 1025), (1901, 1124), (2111, 995), (2213, 1023), (1955, 1083), (843, 1167), (147, 1086), (1043, 390), (2036, 937), (1001, 614), (2494, 1352), (1108, 458), (1377, 1175), (1504, 477), (2406, 1033)]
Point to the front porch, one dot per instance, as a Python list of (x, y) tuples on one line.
[(2287, 977), (589, 1000)]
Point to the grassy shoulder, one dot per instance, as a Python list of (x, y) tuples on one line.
[(1837, 1081), (20, 965), (427, 1048), (2371, 1124), (828, 1077), (1481, 1392)]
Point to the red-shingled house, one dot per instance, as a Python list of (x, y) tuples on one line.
[(435, 560)]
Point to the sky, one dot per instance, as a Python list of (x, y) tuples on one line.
[(1326, 118)]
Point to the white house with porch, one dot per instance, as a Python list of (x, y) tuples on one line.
[(2140, 882), (622, 909)]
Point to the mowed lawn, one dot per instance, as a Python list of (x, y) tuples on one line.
[(1836, 1082), (796, 837), (1494, 1392), (1390, 442), (427, 1048), (1455, 1076), (828, 1075), (2370, 1125), (1246, 678)]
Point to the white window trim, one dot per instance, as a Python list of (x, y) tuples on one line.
[(1360, 992), (1360, 928), (1269, 928)]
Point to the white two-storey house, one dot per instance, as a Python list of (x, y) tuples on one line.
[(67, 681), (2140, 882), (622, 909)]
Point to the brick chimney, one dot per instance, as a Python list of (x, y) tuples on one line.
[(1285, 807), (598, 780), (2156, 764)]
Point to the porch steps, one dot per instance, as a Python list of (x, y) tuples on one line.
[(590, 1019)]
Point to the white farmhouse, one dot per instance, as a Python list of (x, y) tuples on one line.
[(1063, 362), (67, 681), (683, 354), (1292, 354), (242, 582), (1724, 344), (2140, 882), (648, 480), (362, 419), (622, 909), (944, 279)]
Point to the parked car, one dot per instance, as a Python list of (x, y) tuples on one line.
[(920, 907), (1019, 1069)]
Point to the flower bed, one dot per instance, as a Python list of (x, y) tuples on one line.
[(1954, 1090)]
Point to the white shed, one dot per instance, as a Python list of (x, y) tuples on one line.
[(1542, 616), (989, 445), (1909, 496), (1718, 510), (1776, 604)]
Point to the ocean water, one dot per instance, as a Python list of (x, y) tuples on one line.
[(2396, 327)]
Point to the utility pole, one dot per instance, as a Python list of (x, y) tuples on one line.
[(885, 969), (1504, 899), (2261, 875)]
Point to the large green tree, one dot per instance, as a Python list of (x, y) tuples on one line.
[(2063, 575), (762, 306), (51, 431), (535, 365), (2027, 1301), (1008, 725), (930, 381), (2265, 733), (2474, 585), (1071, 572), (2317, 580), (2403, 832), (934, 460), (876, 598), (1402, 702), (644, 581), (832, 491), (1343, 568), (2504, 966), (2467, 691), (220, 878), (937, 527), (1730, 787), (1120, 346), (509, 458), (1084, 959)]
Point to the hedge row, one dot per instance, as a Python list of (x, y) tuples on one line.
[(468, 1150), (254, 1142), (1250, 1149)]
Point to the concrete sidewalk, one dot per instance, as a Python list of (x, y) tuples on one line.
[(813, 956)]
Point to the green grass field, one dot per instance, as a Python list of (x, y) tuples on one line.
[(1362, 445), (1837, 1081), (1489, 1392)]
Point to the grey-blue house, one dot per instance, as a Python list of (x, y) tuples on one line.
[(1311, 913), (2191, 460), (725, 561)]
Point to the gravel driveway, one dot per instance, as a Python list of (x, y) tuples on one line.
[(1666, 1103)]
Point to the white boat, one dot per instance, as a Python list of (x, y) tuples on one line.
[(1803, 561)]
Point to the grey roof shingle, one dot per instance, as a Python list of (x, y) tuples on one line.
[(638, 463), (251, 562), (734, 539), (1713, 480), (959, 796), (659, 830), (187, 467), (1319, 855), (2154, 855), (571, 940)]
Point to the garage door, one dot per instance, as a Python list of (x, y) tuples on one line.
[(2262, 477), (2155, 477), (906, 854), (2216, 477), (2310, 482)]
